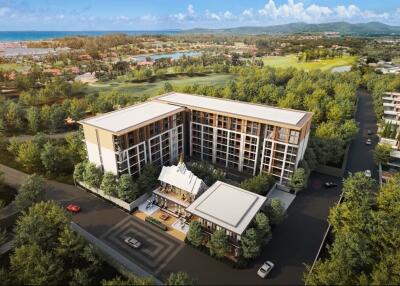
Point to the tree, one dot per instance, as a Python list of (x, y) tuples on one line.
[(206, 172), (275, 211), (34, 266), (29, 156), (31, 191), (3, 236), (79, 171), (262, 227), (132, 280), (259, 184), (382, 153), (70, 244), (42, 225), (80, 276), (126, 189), (179, 278), (92, 175), (76, 147), (218, 244), (109, 184), (298, 180), (54, 158), (33, 118), (148, 180), (250, 244), (195, 235)]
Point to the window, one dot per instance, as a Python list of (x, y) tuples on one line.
[(294, 137)]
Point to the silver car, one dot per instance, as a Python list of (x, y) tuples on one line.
[(368, 142), (265, 269), (367, 173), (132, 242)]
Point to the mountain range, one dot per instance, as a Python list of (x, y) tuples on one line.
[(344, 28)]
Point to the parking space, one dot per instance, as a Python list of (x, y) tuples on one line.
[(157, 247)]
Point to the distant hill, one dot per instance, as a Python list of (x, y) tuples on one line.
[(344, 28)]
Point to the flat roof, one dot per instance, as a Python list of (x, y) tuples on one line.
[(227, 206), (131, 117), (256, 111)]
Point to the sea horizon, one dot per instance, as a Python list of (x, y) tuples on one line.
[(18, 36)]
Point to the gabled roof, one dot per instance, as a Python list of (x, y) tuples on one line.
[(179, 176)]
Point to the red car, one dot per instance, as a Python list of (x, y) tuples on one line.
[(73, 208)]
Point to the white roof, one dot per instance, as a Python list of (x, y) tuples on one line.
[(261, 112), (130, 117), (179, 176), (227, 206)]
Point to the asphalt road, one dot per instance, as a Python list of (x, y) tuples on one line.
[(361, 155), (295, 241)]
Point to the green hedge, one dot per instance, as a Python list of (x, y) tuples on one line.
[(156, 223)]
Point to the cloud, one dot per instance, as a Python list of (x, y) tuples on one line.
[(228, 15), (291, 11), (248, 13), (190, 9), (149, 18), (212, 16), (4, 11), (189, 15)]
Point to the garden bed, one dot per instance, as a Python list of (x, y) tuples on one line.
[(156, 223), (124, 205)]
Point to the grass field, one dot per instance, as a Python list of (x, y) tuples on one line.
[(291, 61), (13, 66), (153, 88)]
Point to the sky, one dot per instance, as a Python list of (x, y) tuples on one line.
[(113, 15)]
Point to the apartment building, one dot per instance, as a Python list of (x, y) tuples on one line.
[(238, 136), (245, 137), (391, 107), (123, 141)]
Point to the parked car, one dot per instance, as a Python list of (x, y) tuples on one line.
[(330, 184), (367, 173), (132, 242), (368, 142), (73, 208), (265, 269), (369, 132)]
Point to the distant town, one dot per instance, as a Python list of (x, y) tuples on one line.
[(201, 158)]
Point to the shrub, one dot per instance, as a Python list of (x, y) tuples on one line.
[(79, 172), (92, 175), (156, 223), (126, 189), (108, 184), (258, 184)]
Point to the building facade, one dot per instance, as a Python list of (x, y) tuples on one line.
[(235, 135), (124, 141), (391, 107)]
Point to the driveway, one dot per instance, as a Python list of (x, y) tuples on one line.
[(360, 154)]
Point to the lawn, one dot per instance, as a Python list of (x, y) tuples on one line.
[(153, 88), (13, 66), (291, 61)]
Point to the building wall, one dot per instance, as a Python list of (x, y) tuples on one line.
[(99, 145), (234, 143), (247, 146)]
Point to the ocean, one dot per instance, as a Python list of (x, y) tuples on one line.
[(15, 36)]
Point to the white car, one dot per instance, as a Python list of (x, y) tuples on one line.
[(368, 142), (132, 242), (265, 269), (367, 173)]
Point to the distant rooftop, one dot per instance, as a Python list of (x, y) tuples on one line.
[(256, 111), (227, 206), (132, 116)]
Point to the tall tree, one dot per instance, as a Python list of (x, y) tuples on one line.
[(250, 244), (195, 235), (31, 191), (179, 279)]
